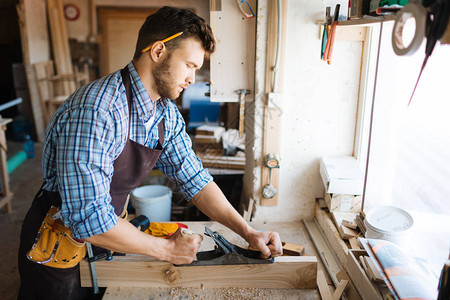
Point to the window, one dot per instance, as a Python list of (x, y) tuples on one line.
[(409, 161)]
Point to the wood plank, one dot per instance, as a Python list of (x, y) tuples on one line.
[(141, 271), (223, 162), (6, 193), (347, 233), (6, 200), (334, 238), (291, 249), (372, 270), (349, 224), (353, 243), (272, 113), (327, 255), (60, 44), (240, 159), (34, 37), (324, 288), (210, 130), (340, 289), (350, 291)]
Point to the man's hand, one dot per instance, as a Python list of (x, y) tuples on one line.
[(269, 243), (183, 247)]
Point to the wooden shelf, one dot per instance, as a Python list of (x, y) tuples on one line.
[(367, 21)]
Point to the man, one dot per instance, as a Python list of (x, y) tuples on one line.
[(106, 138)]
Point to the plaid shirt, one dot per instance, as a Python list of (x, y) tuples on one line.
[(89, 131)]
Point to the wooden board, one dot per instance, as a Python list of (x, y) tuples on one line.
[(233, 63), (60, 44), (223, 162), (5, 191), (273, 113), (324, 289), (142, 271), (34, 37)]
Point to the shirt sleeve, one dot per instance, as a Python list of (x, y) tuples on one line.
[(179, 162), (85, 154)]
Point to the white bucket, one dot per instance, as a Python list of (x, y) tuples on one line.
[(153, 201), (389, 223)]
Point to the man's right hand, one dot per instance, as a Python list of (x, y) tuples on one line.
[(183, 247)]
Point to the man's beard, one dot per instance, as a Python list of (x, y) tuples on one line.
[(163, 80)]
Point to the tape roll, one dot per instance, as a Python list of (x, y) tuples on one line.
[(419, 13)]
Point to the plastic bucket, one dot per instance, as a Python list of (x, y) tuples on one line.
[(153, 201), (389, 223)]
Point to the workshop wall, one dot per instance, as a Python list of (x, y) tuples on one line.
[(79, 29), (318, 112)]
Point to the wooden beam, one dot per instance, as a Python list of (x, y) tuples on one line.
[(340, 289), (324, 288), (273, 112), (141, 271), (5, 191)]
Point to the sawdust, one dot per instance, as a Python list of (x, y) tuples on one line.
[(191, 293), (221, 293)]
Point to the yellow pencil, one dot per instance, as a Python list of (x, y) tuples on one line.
[(164, 40)]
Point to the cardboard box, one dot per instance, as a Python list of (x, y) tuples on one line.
[(343, 203), (365, 287), (341, 175)]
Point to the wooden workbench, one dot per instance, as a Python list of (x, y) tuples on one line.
[(290, 232)]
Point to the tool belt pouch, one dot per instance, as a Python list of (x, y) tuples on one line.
[(54, 245)]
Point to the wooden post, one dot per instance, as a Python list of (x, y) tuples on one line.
[(272, 112), (6, 193)]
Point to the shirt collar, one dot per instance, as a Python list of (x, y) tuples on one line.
[(144, 103)]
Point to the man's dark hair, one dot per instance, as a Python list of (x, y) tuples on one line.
[(168, 21)]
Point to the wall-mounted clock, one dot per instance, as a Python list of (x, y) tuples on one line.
[(71, 12)]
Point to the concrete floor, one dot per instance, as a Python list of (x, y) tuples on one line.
[(25, 181)]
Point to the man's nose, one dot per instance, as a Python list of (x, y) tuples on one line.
[(191, 78)]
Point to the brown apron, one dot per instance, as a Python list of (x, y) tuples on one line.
[(130, 169)]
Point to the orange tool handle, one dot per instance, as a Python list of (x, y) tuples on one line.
[(332, 37)]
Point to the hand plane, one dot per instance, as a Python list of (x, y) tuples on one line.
[(225, 253)]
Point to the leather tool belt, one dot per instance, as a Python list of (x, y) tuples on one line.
[(54, 245)]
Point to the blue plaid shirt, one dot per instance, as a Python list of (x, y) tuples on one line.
[(89, 131)]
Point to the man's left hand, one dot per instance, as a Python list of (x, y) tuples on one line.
[(269, 243)]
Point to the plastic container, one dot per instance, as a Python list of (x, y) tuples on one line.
[(153, 201), (389, 223), (28, 146)]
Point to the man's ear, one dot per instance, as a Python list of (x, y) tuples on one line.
[(157, 51)]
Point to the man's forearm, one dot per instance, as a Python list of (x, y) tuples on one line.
[(213, 203), (125, 238)]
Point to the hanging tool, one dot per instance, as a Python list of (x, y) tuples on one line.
[(272, 161), (325, 31), (242, 94), (225, 253), (332, 35), (246, 9)]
